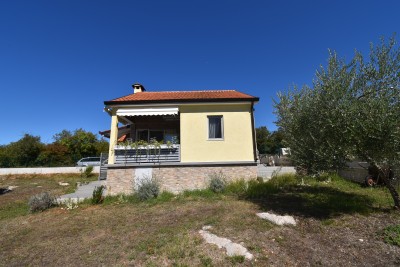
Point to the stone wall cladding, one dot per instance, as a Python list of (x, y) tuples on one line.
[(120, 181), (178, 178)]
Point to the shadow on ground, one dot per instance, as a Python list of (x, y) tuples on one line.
[(318, 203)]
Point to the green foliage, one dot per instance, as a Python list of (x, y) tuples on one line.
[(22, 153), (198, 193), (87, 172), (205, 261), (41, 202), (148, 188), (236, 259), (97, 196), (217, 182), (80, 143), (237, 187), (54, 155), (267, 142), (391, 235), (276, 184), (66, 150), (351, 110)]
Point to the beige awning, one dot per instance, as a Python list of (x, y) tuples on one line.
[(158, 111)]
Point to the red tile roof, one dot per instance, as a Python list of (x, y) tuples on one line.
[(183, 96)]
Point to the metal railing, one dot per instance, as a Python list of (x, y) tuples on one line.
[(148, 154)]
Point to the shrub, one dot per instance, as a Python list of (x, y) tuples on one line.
[(87, 172), (97, 196), (217, 182), (391, 235), (41, 202), (148, 188)]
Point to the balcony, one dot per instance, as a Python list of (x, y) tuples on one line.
[(147, 154)]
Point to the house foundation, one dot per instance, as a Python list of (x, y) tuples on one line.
[(175, 178)]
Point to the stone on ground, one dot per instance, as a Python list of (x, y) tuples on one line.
[(277, 219), (232, 249)]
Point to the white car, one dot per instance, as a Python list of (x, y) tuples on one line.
[(89, 161)]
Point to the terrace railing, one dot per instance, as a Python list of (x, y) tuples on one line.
[(147, 154)]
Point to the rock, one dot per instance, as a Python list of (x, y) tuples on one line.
[(63, 184), (232, 249), (279, 220), (12, 187)]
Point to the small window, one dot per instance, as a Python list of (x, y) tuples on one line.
[(215, 127)]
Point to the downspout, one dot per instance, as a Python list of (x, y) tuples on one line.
[(253, 132)]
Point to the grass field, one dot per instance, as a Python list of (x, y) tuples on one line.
[(338, 223)]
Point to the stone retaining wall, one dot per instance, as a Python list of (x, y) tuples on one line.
[(175, 179)]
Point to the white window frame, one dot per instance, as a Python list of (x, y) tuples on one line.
[(222, 128)]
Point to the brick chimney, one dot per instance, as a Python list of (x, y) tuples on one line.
[(138, 88)]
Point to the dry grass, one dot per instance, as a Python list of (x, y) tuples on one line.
[(166, 234)]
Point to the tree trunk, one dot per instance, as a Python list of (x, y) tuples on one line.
[(386, 176)]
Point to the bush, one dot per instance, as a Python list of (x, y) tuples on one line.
[(41, 202), (148, 188), (217, 182), (98, 194)]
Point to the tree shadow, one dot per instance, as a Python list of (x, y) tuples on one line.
[(314, 202)]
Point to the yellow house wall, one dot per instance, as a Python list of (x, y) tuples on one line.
[(237, 144)]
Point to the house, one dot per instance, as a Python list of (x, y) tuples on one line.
[(180, 137)]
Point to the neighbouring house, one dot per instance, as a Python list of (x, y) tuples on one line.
[(179, 137)]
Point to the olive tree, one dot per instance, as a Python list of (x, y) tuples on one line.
[(352, 110)]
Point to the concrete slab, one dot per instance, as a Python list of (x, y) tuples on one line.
[(82, 192)]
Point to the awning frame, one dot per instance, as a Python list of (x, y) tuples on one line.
[(154, 111)]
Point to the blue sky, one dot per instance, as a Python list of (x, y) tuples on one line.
[(59, 60)]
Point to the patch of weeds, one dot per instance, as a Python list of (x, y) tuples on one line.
[(14, 209), (328, 222), (165, 196), (259, 190), (323, 177), (97, 196), (280, 240), (217, 182), (198, 193), (237, 187), (121, 199), (41, 202), (391, 235), (205, 261), (69, 204), (236, 259), (283, 180), (255, 248)]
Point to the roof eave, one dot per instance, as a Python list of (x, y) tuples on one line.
[(205, 100)]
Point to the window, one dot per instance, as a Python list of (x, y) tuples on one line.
[(215, 127)]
